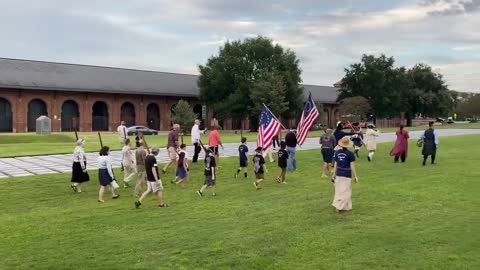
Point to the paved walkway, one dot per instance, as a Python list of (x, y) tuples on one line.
[(25, 166)]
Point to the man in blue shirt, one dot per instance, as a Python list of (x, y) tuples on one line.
[(430, 144), (242, 153)]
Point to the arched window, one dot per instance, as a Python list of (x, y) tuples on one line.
[(5, 116), (128, 114), (197, 109), (36, 108), (100, 116), (70, 116), (153, 116)]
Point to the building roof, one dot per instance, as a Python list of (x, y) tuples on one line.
[(41, 75), (323, 94), (38, 75)]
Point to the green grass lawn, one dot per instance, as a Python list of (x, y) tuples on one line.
[(22, 144), (404, 216)]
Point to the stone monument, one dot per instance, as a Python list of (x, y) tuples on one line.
[(43, 125)]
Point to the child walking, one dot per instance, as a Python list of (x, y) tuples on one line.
[(282, 162), (105, 174), (182, 166), (154, 183), (372, 134), (128, 163), (258, 166), (357, 137), (242, 152), (210, 176)]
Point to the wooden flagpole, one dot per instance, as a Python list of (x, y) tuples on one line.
[(100, 138)]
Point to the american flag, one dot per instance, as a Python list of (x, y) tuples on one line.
[(267, 128), (309, 115)]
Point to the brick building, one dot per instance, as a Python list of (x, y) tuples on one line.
[(94, 98)]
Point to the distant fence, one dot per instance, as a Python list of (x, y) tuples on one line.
[(396, 122), (390, 123)]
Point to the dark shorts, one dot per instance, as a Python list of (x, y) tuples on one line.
[(243, 163), (327, 154), (209, 181), (214, 150), (259, 176)]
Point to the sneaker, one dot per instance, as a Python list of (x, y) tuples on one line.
[(100, 201), (74, 187), (369, 159), (163, 205), (137, 204), (116, 196), (255, 184), (284, 182), (199, 193), (214, 194), (164, 171)]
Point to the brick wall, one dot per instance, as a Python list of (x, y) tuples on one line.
[(20, 99)]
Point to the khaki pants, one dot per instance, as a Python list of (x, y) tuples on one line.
[(129, 174), (141, 185), (343, 193)]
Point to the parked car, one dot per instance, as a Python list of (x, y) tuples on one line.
[(134, 130), (450, 120)]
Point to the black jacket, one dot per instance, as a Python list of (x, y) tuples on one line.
[(291, 139)]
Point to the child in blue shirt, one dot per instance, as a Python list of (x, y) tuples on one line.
[(242, 153)]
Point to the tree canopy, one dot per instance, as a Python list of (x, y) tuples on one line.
[(391, 90), (469, 106), (358, 107), (183, 115), (231, 82)]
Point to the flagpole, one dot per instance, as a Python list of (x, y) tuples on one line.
[(274, 116)]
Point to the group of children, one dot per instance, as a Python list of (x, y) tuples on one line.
[(143, 167), (259, 163)]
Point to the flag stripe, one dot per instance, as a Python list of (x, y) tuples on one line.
[(309, 115), (266, 134)]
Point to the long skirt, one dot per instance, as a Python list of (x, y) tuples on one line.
[(343, 194), (78, 176)]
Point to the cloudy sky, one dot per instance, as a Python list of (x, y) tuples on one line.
[(177, 35)]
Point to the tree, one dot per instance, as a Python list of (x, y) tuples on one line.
[(391, 90), (227, 80), (271, 92), (428, 94), (183, 115), (469, 106), (377, 80), (357, 106)]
